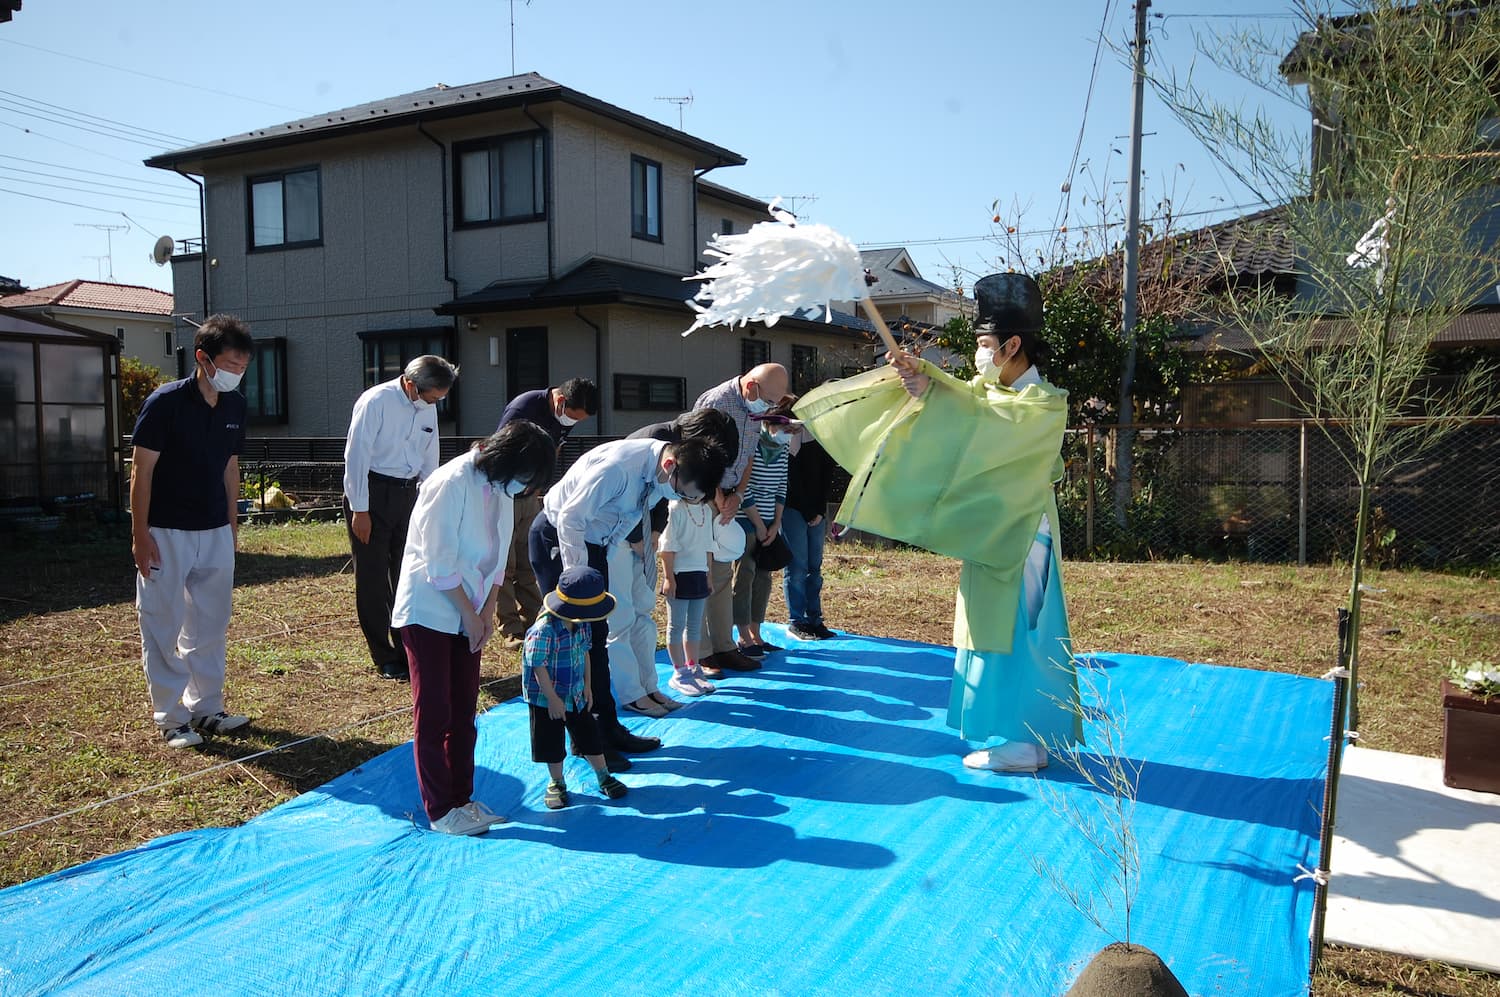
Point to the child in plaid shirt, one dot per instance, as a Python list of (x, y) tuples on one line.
[(554, 675)]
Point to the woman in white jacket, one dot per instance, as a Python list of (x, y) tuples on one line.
[(445, 608)]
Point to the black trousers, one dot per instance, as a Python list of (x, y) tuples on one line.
[(546, 564), (377, 566)]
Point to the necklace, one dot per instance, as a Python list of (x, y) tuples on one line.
[(692, 518)]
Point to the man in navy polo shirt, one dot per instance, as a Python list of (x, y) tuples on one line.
[(557, 410), (184, 489)]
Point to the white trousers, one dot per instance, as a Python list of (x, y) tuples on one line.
[(184, 615), (632, 631)]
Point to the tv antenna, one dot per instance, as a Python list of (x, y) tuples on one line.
[(793, 202), (109, 242), (681, 102), (98, 269), (513, 34)]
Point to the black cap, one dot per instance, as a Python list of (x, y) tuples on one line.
[(1008, 303)]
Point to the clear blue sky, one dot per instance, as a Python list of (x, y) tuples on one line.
[(904, 121)]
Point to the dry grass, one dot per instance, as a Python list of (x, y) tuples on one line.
[(74, 724)]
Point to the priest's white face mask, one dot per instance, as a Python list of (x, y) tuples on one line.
[(984, 362)]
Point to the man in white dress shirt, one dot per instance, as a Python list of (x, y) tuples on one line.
[(392, 447)]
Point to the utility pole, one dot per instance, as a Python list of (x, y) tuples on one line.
[(1125, 438), (109, 242)]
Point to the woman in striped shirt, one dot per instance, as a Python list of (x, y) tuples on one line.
[(760, 516)]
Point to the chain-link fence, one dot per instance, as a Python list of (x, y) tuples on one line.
[(1269, 492), (1280, 492)]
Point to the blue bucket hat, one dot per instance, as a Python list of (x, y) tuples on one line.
[(580, 596)]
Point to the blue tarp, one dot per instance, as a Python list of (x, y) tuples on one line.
[(806, 830)]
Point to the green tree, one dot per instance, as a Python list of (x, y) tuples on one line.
[(1383, 214), (137, 381)]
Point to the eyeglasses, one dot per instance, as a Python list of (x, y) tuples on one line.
[(694, 496)]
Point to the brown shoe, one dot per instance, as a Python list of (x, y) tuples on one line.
[(711, 668), (738, 661)]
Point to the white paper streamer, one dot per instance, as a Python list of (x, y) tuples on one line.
[(777, 268)]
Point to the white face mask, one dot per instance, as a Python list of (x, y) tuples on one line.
[(419, 403), (224, 380), (984, 361), (514, 488), (760, 404), (565, 419)]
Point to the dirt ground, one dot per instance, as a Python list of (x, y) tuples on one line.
[(75, 730)]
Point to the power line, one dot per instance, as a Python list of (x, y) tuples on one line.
[(1067, 192), (105, 193), (75, 204), (71, 145), (160, 79), (1105, 226), (99, 173), (51, 119), (151, 132), (94, 183)]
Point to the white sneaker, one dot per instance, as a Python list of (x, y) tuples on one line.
[(1012, 756), (688, 684), (480, 812), (460, 821), (182, 737), (702, 680), (220, 723)]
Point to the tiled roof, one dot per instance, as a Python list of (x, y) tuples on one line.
[(711, 189), (96, 295), (1250, 245), (893, 283), (435, 103)]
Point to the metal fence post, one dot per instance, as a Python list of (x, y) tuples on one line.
[(1302, 495), (1088, 504)]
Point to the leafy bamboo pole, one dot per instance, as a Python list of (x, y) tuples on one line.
[(1406, 89)]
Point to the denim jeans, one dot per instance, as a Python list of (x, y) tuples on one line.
[(802, 584)]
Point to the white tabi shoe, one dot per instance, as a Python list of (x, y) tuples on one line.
[(1012, 756)]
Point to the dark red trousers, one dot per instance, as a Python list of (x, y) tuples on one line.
[(444, 695)]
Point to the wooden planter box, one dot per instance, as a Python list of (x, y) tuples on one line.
[(1471, 740)]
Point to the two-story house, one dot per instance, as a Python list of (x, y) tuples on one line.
[(525, 230)]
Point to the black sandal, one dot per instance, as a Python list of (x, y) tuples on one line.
[(612, 787)]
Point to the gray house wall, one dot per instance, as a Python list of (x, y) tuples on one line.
[(380, 267)]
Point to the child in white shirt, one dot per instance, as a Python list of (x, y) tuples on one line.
[(685, 545)]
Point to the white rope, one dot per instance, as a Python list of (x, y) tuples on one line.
[(1319, 876), (1336, 673)]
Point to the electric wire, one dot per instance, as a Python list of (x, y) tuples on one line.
[(52, 119), (93, 185), (100, 173), (101, 193), (71, 145), (150, 76), (1060, 218), (109, 122), (86, 207)]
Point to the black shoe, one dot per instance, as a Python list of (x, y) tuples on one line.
[(619, 738), (738, 661), (395, 674), (803, 632), (823, 632), (613, 760), (751, 650)]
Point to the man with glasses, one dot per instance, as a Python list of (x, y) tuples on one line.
[(605, 495), (392, 447)]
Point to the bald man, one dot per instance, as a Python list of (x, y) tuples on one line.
[(739, 398)]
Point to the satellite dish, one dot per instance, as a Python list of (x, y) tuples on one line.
[(162, 251)]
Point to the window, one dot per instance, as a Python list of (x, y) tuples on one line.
[(167, 349), (726, 226), (120, 334), (388, 351), (650, 393), (753, 353), (264, 386), (286, 210), (804, 369), (525, 360), (501, 179), (645, 199)]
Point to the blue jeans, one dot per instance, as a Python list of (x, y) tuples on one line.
[(802, 582)]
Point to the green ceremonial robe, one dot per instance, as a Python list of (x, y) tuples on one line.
[(967, 470)]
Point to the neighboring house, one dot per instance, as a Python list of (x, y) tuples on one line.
[(527, 231), (9, 285), (900, 290), (58, 410), (140, 318)]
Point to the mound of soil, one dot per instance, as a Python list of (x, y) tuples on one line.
[(1121, 970)]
